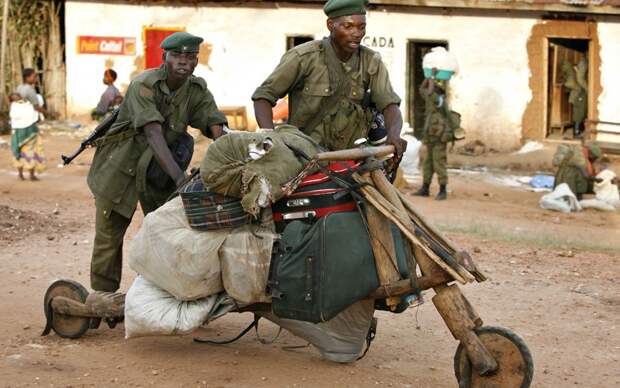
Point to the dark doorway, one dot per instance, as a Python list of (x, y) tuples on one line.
[(568, 86), (416, 49), (296, 40)]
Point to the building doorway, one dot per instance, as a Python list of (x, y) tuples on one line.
[(416, 49), (296, 40), (152, 38), (568, 86)]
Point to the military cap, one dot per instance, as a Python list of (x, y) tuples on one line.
[(336, 8), (594, 150), (182, 42)]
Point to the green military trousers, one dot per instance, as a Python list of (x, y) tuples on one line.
[(436, 161), (574, 178), (107, 261)]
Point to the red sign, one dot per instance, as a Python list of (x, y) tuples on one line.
[(153, 36), (106, 45)]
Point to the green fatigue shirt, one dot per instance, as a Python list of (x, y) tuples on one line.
[(572, 169), (330, 103), (438, 124), (117, 176)]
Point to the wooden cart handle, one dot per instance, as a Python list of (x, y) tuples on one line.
[(356, 153)]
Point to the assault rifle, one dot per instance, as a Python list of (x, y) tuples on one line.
[(97, 133)]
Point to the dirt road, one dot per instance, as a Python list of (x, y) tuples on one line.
[(554, 280)]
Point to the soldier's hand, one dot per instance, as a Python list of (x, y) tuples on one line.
[(180, 179), (400, 146)]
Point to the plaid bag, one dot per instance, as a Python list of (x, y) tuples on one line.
[(208, 211)]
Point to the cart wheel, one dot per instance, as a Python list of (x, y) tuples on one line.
[(515, 364), (66, 326)]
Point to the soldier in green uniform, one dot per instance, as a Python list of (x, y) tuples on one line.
[(333, 83), (159, 105), (575, 79), (575, 167), (438, 131)]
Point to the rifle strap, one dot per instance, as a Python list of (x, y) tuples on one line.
[(131, 132)]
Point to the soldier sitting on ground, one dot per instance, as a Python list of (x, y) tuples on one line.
[(575, 167)]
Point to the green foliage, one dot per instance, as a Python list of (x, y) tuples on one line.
[(29, 21)]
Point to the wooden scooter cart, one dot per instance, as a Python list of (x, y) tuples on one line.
[(485, 357)]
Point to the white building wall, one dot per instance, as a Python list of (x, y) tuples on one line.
[(609, 100), (491, 91)]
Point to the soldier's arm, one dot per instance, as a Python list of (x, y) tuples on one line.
[(279, 83), (263, 114), (387, 102), (155, 137), (146, 117)]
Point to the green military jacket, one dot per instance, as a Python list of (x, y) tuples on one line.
[(329, 105), (438, 127), (117, 176)]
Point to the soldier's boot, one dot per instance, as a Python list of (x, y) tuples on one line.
[(423, 191), (443, 194)]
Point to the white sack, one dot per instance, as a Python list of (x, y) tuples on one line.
[(411, 158), (606, 191), (441, 59), (596, 204), (244, 258), (341, 339), (150, 310), (560, 199), (175, 257)]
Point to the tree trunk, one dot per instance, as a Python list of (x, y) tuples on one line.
[(5, 17), (54, 67)]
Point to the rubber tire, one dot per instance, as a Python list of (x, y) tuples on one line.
[(72, 289), (462, 370)]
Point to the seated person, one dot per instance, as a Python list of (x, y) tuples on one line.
[(109, 98), (575, 168)]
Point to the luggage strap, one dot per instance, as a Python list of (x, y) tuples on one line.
[(372, 333), (245, 331)]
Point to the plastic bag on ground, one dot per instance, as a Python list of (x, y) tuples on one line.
[(150, 310), (605, 190), (606, 193), (560, 199), (341, 339), (542, 181), (169, 253)]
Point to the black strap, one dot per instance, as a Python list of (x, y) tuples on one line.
[(245, 331), (370, 336), (229, 341)]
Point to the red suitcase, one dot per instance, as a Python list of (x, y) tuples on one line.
[(316, 196)]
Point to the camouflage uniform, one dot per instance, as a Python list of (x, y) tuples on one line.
[(437, 133)]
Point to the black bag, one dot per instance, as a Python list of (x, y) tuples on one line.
[(182, 149), (320, 269)]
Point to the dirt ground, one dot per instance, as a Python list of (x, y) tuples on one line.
[(554, 280)]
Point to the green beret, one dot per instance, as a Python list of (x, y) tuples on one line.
[(594, 150), (181, 42), (336, 8)]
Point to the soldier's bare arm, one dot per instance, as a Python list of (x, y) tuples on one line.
[(263, 113), (393, 125)]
